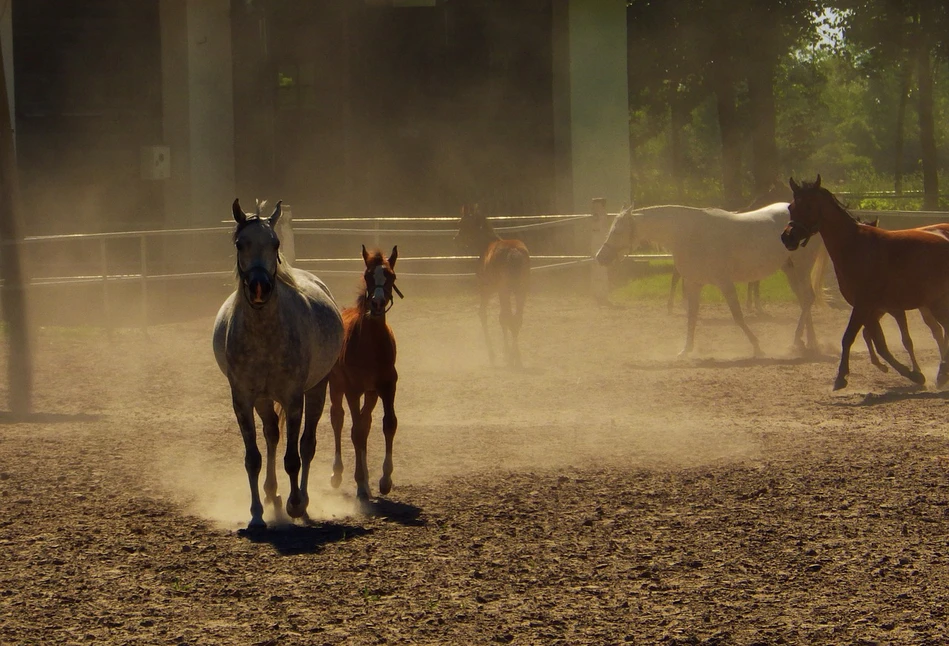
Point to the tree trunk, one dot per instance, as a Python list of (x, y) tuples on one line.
[(763, 144), (906, 77), (675, 147), (927, 128), (724, 88)]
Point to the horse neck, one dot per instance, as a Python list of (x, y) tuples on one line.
[(837, 230), (659, 225)]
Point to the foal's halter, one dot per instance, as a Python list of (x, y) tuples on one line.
[(376, 286), (809, 232)]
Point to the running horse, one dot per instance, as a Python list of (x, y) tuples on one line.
[(503, 269), (877, 270), (712, 246), (276, 339), (366, 367)]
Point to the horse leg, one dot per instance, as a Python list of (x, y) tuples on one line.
[(296, 506), (360, 435), (692, 291), (672, 288), (880, 342), (389, 425), (244, 411), (868, 338), (520, 298), (938, 333), (506, 319), (900, 316), (731, 297), (336, 419), (483, 313), (804, 291), (314, 401), (850, 335), (271, 424), (940, 312)]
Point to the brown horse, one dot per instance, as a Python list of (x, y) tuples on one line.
[(877, 270), (504, 269), (366, 366), (900, 316)]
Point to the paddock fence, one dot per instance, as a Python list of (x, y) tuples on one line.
[(141, 278)]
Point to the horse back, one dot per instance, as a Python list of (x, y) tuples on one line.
[(506, 262)]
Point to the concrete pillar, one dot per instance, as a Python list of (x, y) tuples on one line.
[(198, 111), (591, 113), (6, 40)]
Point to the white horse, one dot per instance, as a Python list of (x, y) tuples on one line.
[(715, 247)]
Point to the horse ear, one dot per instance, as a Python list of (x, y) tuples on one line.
[(817, 181), (794, 185), (464, 210), (394, 256), (365, 255), (276, 214), (239, 215)]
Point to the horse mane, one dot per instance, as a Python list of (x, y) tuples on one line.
[(813, 186)]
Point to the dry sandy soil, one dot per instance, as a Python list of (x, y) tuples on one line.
[(606, 493)]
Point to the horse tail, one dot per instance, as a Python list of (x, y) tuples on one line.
[(817, 276)]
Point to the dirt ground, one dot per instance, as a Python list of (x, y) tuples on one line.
[(606, 493)]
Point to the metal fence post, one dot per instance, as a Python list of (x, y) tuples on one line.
[(599, 280)]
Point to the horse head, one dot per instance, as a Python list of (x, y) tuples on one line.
[(474, 231), (380, 281), (620, 238), (257, 253), (804, 212)]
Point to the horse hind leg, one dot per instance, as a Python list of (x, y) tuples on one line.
[(314, 402), (874, 359), (939, 335), (390, 423), (362, 422), (940, 312), (506, 319), (693, 291), (900, 316), (483, 314), (520, 300), (731, 297), (296, 502), (271, 423), (337, 416), (880, 342)]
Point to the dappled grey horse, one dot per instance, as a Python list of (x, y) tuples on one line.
[(276, 339)]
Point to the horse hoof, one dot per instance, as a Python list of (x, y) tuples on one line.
[(297, 509), (335, 480), (917, 378), (385, 486), (362, 494), (941, 379), (840, 383), (256, 523), (882, 368), (276, 501)]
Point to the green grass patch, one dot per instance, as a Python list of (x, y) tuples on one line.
[(655, 287)]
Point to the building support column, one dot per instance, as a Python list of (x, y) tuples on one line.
[(591, 103), (198, 111)]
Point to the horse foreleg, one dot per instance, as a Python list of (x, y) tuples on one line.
[(389, 425), (940, 312), (336, 420), (362, 422), (731, 297), (244, 411), (804, 291), (265, 408), (483, 313), (880, 342), (296, 504), (672, 287), (692, 293), (314, 401), (850, 335), (506, 319)]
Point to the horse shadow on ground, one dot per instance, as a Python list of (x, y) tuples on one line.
[(393, 511), (902, 393), (9, 417), (725, 364), (310, 538)]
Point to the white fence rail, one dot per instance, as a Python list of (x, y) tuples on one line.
[(588, 231)]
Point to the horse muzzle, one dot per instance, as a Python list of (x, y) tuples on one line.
[(258, 288), (794, 236)]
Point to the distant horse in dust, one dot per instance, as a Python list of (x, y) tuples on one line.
[(776, 192), (276, 339), (366, 367), (503, 268), (877, 271), (711, 246)]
